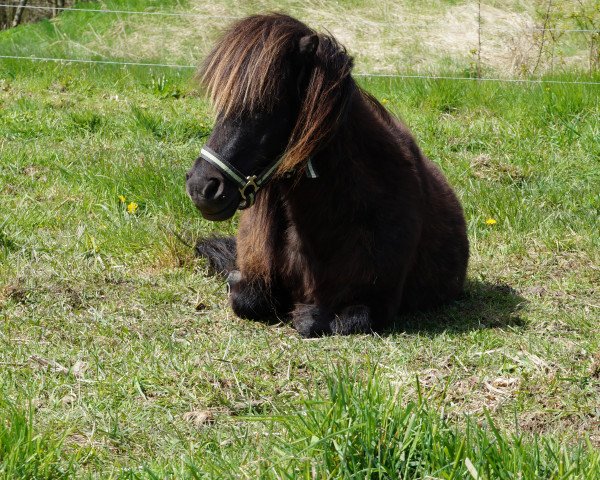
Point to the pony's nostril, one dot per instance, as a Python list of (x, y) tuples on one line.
[(211, 189)]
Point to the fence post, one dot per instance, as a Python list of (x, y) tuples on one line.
[(479, 39), (543, 40), (19, 13)]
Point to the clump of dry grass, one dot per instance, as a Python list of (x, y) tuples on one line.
[(387, 37)]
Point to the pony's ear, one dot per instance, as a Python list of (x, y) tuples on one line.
[(307, 46), (323, 101)]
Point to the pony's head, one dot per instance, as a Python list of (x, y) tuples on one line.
[(279, 91)]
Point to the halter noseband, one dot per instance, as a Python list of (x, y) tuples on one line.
[(248, 185)]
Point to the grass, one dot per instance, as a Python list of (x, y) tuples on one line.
[(367, 430), (24, 454), (119, 357)]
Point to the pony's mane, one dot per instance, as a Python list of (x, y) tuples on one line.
[(245, 73)]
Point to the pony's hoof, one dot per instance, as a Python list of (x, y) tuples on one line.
[(353, 319), (310, 321), (233, 278)]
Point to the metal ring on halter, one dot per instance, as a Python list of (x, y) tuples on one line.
[(248, 197)]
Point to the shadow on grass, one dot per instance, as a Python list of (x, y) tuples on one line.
[(483, 305)]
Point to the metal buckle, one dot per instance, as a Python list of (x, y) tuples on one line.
[(248, 197), (250, 182)]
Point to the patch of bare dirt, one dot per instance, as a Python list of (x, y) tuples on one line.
[(485, 167), (199, 418), (14, 291), (541, 422)]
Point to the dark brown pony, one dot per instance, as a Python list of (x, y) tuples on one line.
[(345, 224)]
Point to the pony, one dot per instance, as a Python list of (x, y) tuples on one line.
[(345, 224)]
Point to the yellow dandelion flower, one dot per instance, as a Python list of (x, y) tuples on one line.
[(122, 198), (384, 101), (491, 221), (132, 207)]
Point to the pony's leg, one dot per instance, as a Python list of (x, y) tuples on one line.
[(315, 321), (254, 300), (220, 252)]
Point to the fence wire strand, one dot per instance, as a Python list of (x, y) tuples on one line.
[(233, 17), (101, 62), (359, 74), (124, 12)]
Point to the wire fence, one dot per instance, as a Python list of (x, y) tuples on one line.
[(476, 76), (358, 74), (235, 17), (125, 12)]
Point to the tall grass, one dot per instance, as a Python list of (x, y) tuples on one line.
[(25, 454), (364, 428)]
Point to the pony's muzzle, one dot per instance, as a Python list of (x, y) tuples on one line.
[(204, 190), (211, 190), (215, 197)]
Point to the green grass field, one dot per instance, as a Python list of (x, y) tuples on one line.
[(119, 357)]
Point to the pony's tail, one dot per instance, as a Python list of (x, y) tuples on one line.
[(220, 252)]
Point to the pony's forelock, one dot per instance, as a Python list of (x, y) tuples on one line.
[(243, 73)]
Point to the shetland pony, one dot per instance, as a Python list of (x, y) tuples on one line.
[(345, 222)]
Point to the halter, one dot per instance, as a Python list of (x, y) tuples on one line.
[(248, 185)]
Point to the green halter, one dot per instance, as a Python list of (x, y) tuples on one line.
[(248, 185)]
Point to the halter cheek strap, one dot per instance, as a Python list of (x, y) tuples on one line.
[(248, 185)]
